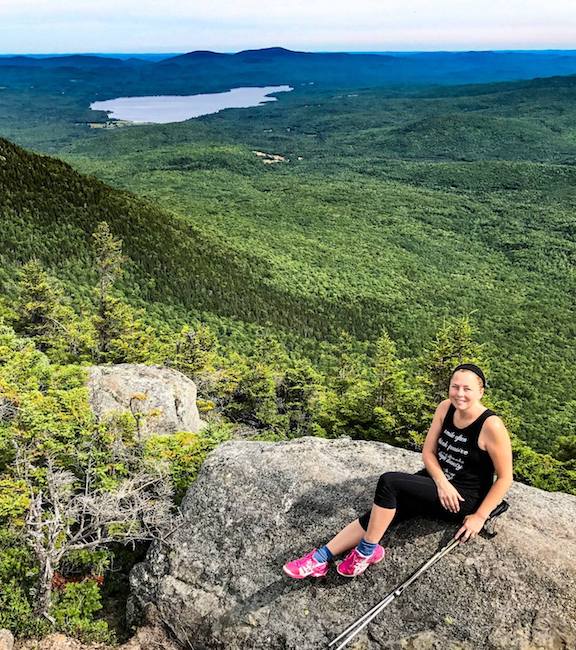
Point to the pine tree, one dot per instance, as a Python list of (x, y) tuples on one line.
[(254, 398), (397, 400), (40, 312), (390, 376), (195, 350), (268, 350), (110, 320), (38, 306), (109, 259), (453, 345), (122, 335), (346, 406), (349, 370), (565, 421), (299, 394)]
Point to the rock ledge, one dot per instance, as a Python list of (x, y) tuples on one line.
[(255, 505)]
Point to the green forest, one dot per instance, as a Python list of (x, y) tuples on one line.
[(404, 230)]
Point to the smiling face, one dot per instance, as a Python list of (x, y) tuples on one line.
[(465, 390)]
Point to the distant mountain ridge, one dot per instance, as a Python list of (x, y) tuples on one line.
[(275, 65), (80, 60)]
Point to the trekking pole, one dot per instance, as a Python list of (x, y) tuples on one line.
[(358, 625)]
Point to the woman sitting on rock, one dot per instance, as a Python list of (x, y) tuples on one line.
[(465, 445)]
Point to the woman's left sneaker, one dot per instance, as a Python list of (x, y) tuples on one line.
[(354, 564), (306, 567)]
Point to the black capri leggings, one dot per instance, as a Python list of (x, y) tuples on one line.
[(415, 495)]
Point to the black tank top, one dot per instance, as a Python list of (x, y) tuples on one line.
[(465, 465)]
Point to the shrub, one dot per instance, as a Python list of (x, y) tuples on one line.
[(18, 572), (74, 611), (185, 452)]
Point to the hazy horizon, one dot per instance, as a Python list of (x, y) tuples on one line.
[(58, 26), (126, 54)]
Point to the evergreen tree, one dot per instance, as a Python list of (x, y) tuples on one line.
[(41, 312), (196, 350), (298, 395), (122, 335), (109, 265), (345, 405), (125, 336), (268, 350), (350, 368), (38, 308), (397, 400), (390, 375), (453, 345), (565, 421), (109, 259), (253, 401)]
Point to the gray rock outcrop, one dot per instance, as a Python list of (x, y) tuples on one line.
[(219, 585), (164, 397)]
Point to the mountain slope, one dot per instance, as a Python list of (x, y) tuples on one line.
[(49, 211)]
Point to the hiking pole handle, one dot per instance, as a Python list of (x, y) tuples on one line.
[(500, 509)]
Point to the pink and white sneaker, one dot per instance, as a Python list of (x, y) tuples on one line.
[(354, 564), (306, 567)]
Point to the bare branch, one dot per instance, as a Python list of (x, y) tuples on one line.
[(66, 514)]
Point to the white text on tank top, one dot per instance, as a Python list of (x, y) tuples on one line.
[(452, 452)]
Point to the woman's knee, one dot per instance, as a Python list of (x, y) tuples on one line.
[(388, 480), (386, 490)]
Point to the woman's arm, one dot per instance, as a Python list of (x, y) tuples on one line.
[(449, 496), (499, 448)]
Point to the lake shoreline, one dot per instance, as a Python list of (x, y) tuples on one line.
[(168, 109)]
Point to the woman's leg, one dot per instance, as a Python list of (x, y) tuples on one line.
[(380, 520), (352, 534), (399, 494), (347, 538), (372, 526)]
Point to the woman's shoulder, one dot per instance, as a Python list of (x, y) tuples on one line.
[(443, 407), (493, 426)]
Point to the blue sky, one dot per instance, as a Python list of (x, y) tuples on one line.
[(44, 26)]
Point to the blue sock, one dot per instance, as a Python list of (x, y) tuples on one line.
[(366, 548), (323, 554)]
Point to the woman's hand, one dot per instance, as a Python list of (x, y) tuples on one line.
[(472, 525), (449, 496)]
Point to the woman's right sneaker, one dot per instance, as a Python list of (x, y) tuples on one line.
[(354, 564), (306, 567)]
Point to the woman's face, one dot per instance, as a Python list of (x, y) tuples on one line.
[(465, 390)]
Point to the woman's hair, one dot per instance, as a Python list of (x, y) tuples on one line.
[(472, 368)]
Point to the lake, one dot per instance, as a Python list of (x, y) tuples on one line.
[(163, 109)]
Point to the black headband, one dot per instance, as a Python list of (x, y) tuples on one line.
[(472, 368)]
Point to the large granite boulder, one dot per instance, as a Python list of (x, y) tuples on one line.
[(163, 399), (219, 585)]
